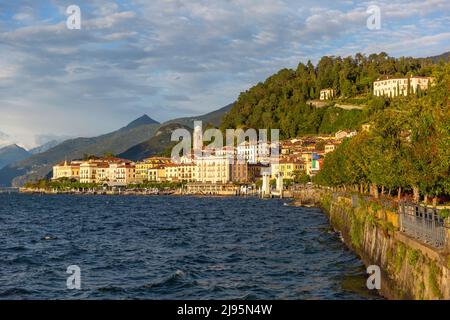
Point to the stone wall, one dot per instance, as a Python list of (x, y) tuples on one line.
[(410, 269)]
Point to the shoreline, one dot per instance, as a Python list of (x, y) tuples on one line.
[(137, 193), (410, 268)]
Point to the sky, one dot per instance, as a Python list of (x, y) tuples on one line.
[(172, 58)]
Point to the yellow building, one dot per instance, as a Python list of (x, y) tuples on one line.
[(143, 167), (171, 172), (70, 170), (307, 157), (88, 172), (187, 172), (102, 172), (110, 171), (157, 174), (214, 169), (122, 174), (287, 168)]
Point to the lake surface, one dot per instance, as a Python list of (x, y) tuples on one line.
[(172, 248)]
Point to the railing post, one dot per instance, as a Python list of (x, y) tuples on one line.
[(401, 215), (434, 236), (447, 233)]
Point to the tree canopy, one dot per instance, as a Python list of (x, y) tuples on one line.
[(280, 102), (407, 148)]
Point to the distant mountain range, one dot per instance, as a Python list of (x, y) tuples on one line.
[(44, 147), (155, 145), (11, 154), (141, 138), (442, 57), (162, 139), (213, 118)]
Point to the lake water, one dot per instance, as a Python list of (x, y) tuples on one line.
[(172, 248)]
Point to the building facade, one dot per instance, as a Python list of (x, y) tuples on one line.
[(287, 168), (143, 167), (110, 171), (327, 94), (69, 170), (400, 86), (214, 169), (157, 174)]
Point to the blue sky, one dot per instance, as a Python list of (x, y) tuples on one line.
[(171, 58)]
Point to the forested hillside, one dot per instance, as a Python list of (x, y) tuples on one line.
[(408, 147), (282, 100)]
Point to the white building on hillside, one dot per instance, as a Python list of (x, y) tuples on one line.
[(400, 86)]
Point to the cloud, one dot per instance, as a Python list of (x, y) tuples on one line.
[(172, 58)]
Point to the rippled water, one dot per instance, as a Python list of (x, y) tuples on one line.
[(172, 248)]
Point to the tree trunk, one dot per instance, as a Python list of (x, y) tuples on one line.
[(375, 190), (416, 194), (382, 190), (425, 198), (361, 186), (399, 193)]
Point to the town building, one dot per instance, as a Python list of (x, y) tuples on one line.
[(247, 152), (121, 174), (144, 166), (400, 86), (69, 170), (111, 171), (239, 172), (214, 169), (88, 172), (287, 167), (187, 172), (330, 147), (157, 174), (342, 134), (256, 170), (327, 94)]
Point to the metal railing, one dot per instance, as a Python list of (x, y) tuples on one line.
[(423, 223)]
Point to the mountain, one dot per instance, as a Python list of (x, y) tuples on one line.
[(12, 153), (213, 118), (144, 120), (141, 138), (445, 57), (46, 146), (39, 165), (157, 144), (161, 141)]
